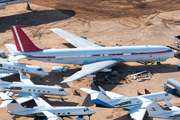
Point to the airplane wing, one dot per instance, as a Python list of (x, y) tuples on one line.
[(24, 78), (172, 107), (137, 113), (75, 40), (40, 102), (51, 116), (24, 99), (89, 69), (7, 73), (6, 100)]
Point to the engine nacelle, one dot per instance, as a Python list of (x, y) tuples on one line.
[(106, 70), (2, 6), (91, 75)]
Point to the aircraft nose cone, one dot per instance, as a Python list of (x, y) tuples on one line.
[(91, 112), (67, 93)]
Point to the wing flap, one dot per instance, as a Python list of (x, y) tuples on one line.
[(51, 116), (24, 78), (75, 40), (89, 69)]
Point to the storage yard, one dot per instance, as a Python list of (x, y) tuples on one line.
[(122, 27)]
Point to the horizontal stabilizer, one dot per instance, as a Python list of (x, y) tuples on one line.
[(172, 107), (11, 47), (18, 57), (154, 109)]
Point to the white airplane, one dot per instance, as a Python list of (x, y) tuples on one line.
[(136, 107), (26, 86), (92, 56), (156, 111), (8, 68), (43, 109), (3, 3)]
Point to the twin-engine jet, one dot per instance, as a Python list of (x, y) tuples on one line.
[(93, 57), (3, 3), (156, 111), (135, 105), (43, 110), (8, 68), (26, 86)]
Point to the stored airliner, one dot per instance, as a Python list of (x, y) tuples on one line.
[(92, 56), (8, 68), (26, 86), (135, 105), (43, 110)]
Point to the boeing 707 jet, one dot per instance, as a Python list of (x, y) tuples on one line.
[(92, 56)]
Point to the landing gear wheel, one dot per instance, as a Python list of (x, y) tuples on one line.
[(158, 63), (28, 7)]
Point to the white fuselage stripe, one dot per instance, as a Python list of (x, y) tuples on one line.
[(19, 41)]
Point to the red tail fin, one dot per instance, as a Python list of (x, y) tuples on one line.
[(23, 43)]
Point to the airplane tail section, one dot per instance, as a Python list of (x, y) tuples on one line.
[(154, 108), (23, 43), (11, 104), (98, 97)]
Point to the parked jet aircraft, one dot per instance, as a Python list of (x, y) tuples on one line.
[(26, 86), (8, 68), (3, 3), (156, 111), (43, 109), (136, 107), (92, 56)]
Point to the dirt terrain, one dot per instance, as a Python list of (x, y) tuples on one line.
[(149, 22)]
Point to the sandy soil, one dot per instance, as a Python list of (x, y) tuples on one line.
[(146, 27)]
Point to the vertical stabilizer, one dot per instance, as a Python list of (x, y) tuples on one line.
[(23, 43)]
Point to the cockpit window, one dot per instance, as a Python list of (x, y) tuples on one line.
[(125, 103), (61, 90), (169, 50), (86, 109), (40, 69)]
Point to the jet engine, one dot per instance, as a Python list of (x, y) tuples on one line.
[(2, 6)]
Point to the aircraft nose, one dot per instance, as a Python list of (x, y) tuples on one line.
[(45, 73), (67, 93), (91, 112)]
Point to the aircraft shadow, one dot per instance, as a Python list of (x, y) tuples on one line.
[(87, 101), (34, 18), (125, 70)]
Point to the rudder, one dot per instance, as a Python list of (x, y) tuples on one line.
[(23, 43)]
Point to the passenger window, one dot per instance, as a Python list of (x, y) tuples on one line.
[(1, 65), (29, 89), (43, 91), (14, 68), (34, 90), (39, 91), (68, 112), (48, 91), (22, 69)]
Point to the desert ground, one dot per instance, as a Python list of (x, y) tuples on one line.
[(148, 22)]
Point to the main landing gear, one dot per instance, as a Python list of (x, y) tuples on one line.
[(28, 6)]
